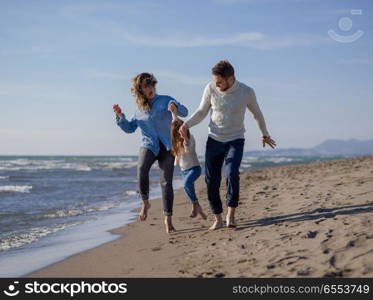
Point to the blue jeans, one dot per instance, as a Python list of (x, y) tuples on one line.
[(231, 154), (190, 176)]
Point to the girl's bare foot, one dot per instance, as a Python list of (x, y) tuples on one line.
[(144, 210), (168, 222), (194, 211), (197, 210)]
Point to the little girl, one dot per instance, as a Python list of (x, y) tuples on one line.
[(186, 157)]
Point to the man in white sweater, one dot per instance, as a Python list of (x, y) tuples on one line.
[(227, 99)]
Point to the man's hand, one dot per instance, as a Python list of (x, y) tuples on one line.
[(269, 141), (172, 107), (183, 131)]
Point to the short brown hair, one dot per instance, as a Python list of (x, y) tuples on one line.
[(223, 68)]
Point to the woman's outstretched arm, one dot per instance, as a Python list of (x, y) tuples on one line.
[(125, 125), (182, 111)]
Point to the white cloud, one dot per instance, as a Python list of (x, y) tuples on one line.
[(46, 93), (30, 50), (42, 49), (363, 61), (4, 92), (232, 2), (161, 75), (129, 8), (254, 40), (111, 76), (199, 80), (235, 1), (187, 79), (347, 11)]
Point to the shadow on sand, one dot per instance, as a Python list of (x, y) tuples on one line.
[(318, 213)]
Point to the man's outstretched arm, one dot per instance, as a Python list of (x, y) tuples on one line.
[(253, 106), (198, 116)]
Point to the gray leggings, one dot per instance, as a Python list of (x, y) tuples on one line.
[(166, 164)]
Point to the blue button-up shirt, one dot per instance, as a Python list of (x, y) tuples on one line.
[(155, 124)]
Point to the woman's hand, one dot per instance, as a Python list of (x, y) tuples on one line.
[(117, 110), (269, 141), (172, 107)]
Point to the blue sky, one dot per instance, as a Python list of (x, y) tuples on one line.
[(64, 63)]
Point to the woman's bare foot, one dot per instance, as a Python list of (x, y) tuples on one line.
[(144, 210), (168, 222)]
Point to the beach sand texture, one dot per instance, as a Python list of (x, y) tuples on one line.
[(309, 220)]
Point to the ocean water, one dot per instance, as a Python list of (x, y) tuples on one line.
[(54, 206)]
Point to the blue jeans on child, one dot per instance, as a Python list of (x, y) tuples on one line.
[(190, 176)]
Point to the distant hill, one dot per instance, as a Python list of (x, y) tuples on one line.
[(352, 147)]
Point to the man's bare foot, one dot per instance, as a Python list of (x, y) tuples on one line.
[(218, 222), (216, 225), (144, 210), (230, 218), (168, 222), (231, 222)]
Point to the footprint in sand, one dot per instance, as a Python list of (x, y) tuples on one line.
[(326, 251), (333, 274), (304, 272), (332, 260), (311, 234)]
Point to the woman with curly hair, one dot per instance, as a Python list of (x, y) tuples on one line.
[(153, 117)]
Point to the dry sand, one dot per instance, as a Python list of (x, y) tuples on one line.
[(309, 220)]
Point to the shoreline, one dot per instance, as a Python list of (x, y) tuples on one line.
[(321, 229), (122, 232), (58, 246)]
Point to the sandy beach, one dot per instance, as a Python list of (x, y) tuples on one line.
[(309, 220)]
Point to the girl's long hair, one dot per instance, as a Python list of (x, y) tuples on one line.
[(141, 101), (177, 140)]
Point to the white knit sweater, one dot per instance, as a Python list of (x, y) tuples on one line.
[(228, 111)]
